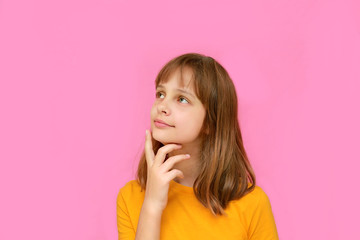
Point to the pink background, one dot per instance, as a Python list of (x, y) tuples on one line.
[(77, 84)]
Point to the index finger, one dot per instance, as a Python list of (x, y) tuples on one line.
[(149, 152)]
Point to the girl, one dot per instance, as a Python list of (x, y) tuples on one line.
[(194, 180)]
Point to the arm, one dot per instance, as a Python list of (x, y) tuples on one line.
[(159, 175), (126, 230), (149, 223), (263, 223)]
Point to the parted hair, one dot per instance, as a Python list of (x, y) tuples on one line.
[(225, 171)]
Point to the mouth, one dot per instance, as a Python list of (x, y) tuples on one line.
[(161, 124)]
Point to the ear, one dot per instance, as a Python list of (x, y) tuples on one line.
[(207, 130)]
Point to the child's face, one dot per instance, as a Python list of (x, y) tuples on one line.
[(183, 111)]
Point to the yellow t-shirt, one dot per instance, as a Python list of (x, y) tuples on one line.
[(185, 217)]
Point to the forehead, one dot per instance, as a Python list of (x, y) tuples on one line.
[(180, 79)]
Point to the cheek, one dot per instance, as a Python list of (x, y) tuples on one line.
[(192, 122), (200, 118), (153, 111)]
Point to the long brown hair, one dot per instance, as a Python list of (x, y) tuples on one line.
[(225, 171)]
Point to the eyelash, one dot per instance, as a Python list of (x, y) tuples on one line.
[(157, 95)]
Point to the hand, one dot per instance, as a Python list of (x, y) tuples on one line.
[(158, 174)]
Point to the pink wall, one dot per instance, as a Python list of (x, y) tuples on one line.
[(77, 85)]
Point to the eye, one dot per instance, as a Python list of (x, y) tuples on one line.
[(184, 99), (158, 94)]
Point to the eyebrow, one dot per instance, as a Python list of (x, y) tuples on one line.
[(178, 89)]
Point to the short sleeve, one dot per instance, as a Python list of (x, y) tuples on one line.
[(125, 228), (262, 225)]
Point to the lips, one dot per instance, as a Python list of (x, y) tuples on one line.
[(160, 121)]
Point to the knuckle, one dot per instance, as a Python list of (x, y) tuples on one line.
[(162, 168), (153, 169), (161, 150), (171, 161), (174, 159), (182, 157), (178, 173), (163, 178)]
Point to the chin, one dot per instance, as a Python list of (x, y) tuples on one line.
[(164, 139)]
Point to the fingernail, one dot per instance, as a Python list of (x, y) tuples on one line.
[(187, 155), (146, 132)]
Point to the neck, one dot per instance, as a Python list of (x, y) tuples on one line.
[(189, 167)]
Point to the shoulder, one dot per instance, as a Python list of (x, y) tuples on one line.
[(130, 189), (256, 194), (253, 200), (130, 186), (255, 210)]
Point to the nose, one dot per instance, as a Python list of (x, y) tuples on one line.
[(163, 108)]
